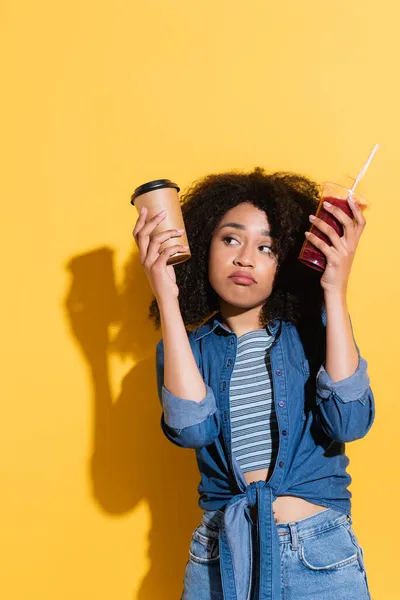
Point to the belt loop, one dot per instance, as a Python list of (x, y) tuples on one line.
[(294, 536)]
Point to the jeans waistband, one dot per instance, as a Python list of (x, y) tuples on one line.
[(322, 521)]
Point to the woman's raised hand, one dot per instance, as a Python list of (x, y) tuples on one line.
[(341, 254), (160, 275)]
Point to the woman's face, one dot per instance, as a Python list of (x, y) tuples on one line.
[(242, 265)]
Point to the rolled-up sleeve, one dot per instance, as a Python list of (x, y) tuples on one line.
[(346, 408), (186, 423), (348, 390), (180, 413)]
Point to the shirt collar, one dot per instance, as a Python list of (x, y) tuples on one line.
[(215, 322), (209, 326)]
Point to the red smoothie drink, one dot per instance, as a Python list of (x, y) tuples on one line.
[(310, 255)]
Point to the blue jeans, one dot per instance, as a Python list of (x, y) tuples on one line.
[(320, 560)]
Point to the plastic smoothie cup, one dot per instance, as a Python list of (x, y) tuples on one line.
[(338, 196)]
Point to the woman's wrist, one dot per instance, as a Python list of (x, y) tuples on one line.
[(335, 298), (341, 352), (168, 307), (171, 317), (181, 374)]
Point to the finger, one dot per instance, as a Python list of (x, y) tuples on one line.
[(340, 215), (152, 223), (157, 240), (328, 231), (357, 212), (327, 250), (167, 253), (143, 236), (140, 222)]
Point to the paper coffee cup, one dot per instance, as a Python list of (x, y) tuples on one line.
[(158, 195)]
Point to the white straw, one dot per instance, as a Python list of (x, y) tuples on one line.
[(365, 167)]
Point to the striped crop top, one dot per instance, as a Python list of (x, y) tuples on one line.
[(254, 427)]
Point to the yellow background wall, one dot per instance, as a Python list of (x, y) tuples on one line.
[(97, 98)]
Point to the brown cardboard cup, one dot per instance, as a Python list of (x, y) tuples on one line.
[(158, 195)]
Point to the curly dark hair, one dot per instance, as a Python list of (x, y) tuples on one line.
[(288, 199)]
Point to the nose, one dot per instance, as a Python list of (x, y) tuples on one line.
[(244, 258)]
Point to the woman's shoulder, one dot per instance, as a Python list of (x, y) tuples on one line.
[(210, 326), (205, 332)]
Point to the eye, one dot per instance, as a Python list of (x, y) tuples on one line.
[(266, 249), (230, 241)]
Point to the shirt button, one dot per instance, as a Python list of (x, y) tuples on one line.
[(231, 341), (281, 403), (229, 363), (284, 432), (279, 372), (281, 464)]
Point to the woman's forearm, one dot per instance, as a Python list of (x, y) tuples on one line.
[(341, 352), (181, 375)]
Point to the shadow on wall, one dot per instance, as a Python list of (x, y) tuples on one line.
[(131, 460)]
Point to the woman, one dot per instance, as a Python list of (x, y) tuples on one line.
[(267, 387)]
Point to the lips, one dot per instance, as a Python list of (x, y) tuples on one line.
[(242, 278)]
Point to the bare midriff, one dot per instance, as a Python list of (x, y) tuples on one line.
[(286, 508)]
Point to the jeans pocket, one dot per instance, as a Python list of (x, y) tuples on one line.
[(329, 550), (204, 547), (361, 558), (357, 545)]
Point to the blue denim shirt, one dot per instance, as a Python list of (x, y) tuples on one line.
[(316, 417)]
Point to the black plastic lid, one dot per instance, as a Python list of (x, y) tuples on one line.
[(157, 184)]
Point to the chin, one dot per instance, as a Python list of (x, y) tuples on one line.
[(241, 303)]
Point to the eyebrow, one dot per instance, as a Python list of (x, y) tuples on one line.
[(242, 227)]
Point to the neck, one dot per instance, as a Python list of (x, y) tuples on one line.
[(241, 321)]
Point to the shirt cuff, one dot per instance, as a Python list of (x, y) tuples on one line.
[(347, 390), (180, 413)]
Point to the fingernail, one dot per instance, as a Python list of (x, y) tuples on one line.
[(351, 200), (179, 230), (312, 217), (185, 247), (307, 233), (328, 204), (162, 213)]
